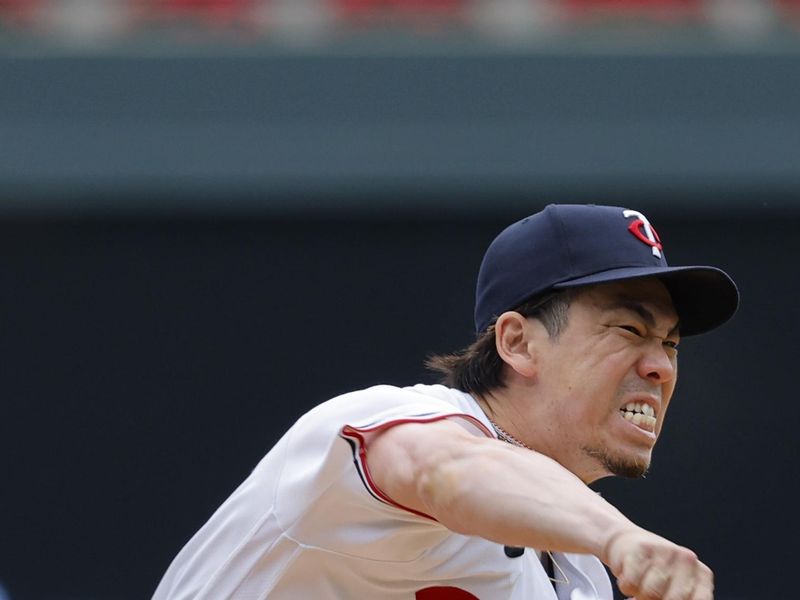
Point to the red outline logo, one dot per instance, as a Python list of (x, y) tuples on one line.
[(644, 231)]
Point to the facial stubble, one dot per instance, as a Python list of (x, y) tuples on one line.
[(621, 466)]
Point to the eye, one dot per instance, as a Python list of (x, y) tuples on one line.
[(632, 329), (671, 344)]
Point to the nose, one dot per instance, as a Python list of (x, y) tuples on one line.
[(658, 364)]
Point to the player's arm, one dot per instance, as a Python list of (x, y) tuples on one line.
[(484, 487)]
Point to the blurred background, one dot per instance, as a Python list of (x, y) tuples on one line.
[(217, 214)]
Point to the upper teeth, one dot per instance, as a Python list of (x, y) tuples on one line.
[(640, 407)]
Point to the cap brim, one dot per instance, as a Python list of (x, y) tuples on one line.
[(704, 297)]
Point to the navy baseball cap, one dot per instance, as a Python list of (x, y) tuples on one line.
[(571, 245)]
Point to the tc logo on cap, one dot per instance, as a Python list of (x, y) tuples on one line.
[(642, 229)]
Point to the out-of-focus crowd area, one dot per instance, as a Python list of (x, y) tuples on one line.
[(307, 20)]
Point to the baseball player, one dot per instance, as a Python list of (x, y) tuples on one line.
[(478, 488)]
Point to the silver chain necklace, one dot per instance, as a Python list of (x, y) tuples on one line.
[(507, 437)]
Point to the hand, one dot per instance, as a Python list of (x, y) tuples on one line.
[(649, 567)]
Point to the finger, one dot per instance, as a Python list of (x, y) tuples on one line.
[(703, 593), (634, 565), (690, 579), (628, 586), (684, 577), (625, 587), (705, 588), (655, 582)]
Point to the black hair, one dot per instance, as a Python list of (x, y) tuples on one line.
[(478, 368)]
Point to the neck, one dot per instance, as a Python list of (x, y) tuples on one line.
[(504, 417), (515, 419)]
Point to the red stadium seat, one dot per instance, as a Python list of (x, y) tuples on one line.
[(656, 9), (632, 4), (790, 6), (19, 12), (399, 6), (221, 12), (788, 12)]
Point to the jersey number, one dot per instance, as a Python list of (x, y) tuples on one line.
[(444, 593)]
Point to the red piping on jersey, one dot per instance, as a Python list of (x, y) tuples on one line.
[(358, 433)]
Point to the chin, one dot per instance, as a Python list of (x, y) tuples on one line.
[(629, 467)]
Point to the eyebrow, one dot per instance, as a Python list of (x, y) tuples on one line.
[(639, 309)]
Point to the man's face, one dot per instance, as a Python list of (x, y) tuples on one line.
[(606, 381)]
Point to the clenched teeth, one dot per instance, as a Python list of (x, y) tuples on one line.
[(640, 413), (639, 407)]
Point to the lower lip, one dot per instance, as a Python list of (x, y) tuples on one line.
[(644, 432)]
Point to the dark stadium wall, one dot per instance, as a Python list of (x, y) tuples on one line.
[(148, 365)]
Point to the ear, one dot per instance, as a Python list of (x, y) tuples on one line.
[(514, 339)]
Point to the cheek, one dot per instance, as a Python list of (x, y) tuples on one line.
[(666, 396), (597, 370), (586, 382), (586, 410)]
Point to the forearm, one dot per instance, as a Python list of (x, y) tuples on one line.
[(515, 497)]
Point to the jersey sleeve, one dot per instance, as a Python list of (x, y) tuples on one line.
[(325, 496), (360, 436)]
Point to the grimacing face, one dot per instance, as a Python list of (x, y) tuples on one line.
[(606, 381)]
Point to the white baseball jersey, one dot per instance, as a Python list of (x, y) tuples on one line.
[(310, 523)]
